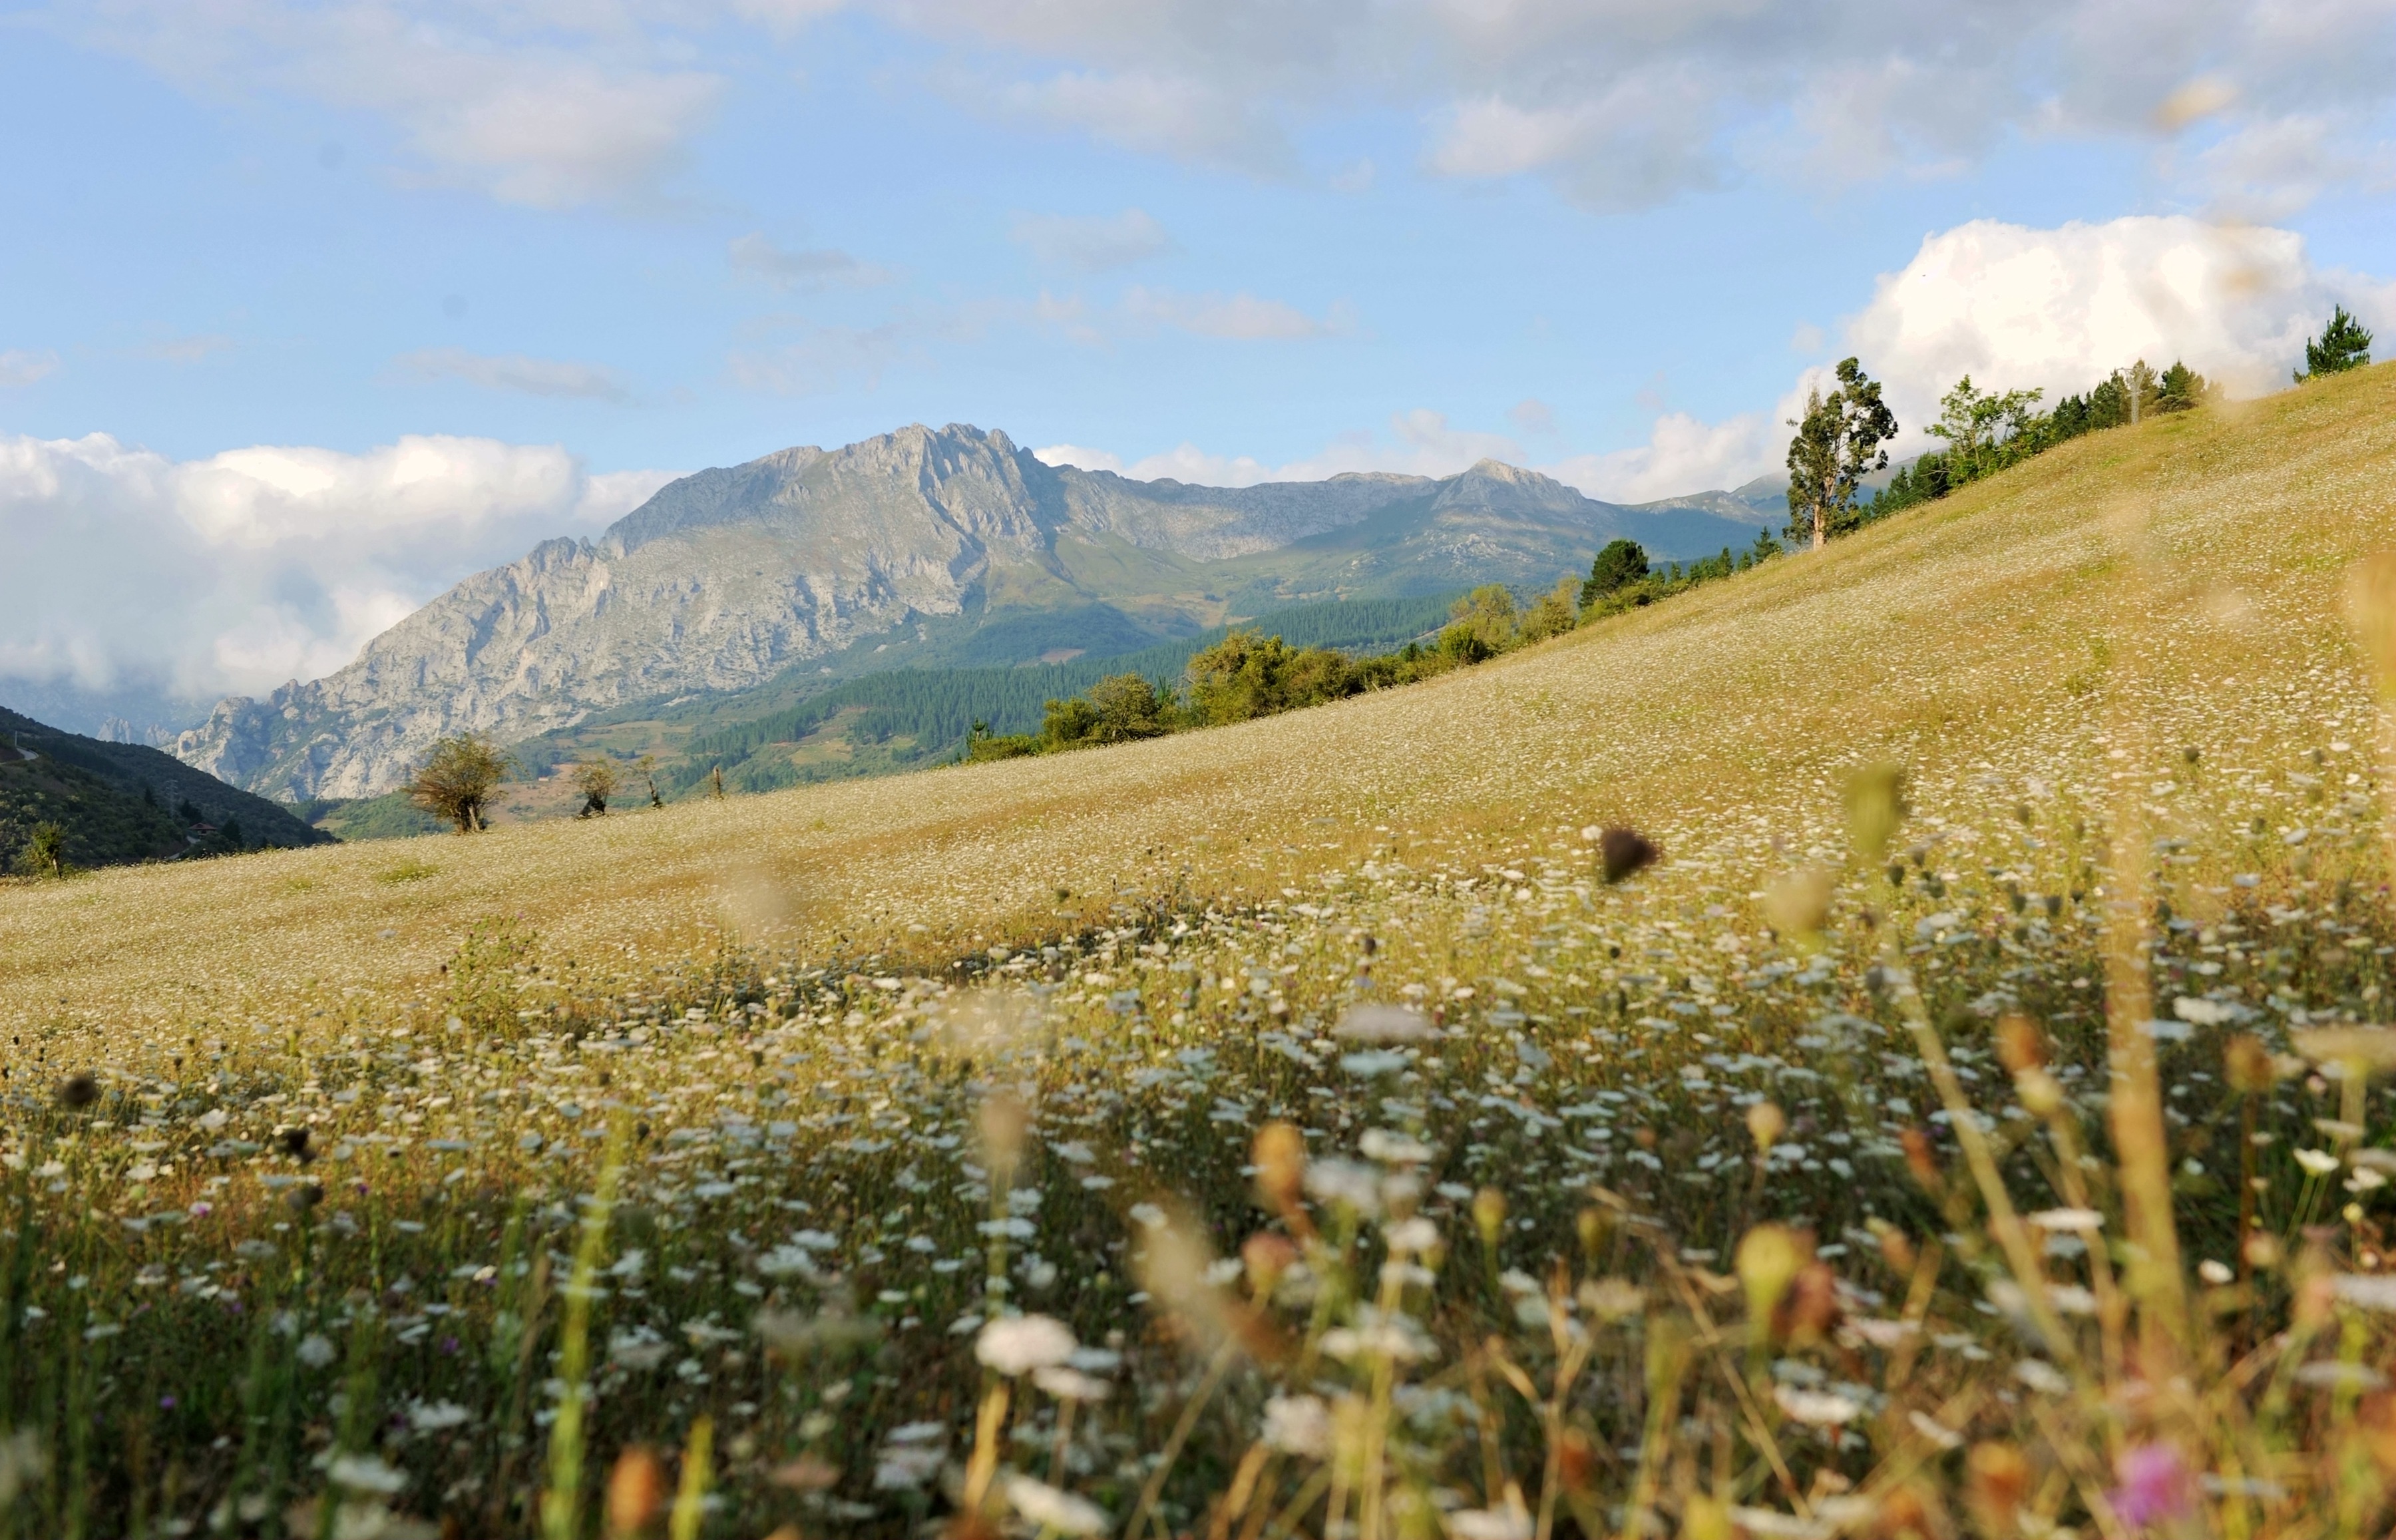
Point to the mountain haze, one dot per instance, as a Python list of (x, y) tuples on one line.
[(730, 577)]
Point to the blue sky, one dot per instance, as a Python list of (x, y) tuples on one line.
[(265, 248)]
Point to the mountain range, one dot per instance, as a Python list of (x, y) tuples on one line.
[(948, 545)]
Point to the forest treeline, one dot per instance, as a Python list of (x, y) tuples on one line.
[(1250, 673)]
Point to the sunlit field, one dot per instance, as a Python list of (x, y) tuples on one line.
[(1964, 1123)]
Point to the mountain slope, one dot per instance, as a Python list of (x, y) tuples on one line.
[(727, 578), (120, 803), (2138, 592)]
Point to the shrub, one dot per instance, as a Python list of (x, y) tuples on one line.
[(457, 781)]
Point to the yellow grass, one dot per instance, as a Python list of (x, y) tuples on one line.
[(2160, 562)]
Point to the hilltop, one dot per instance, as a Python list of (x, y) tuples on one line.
[(120, 803), (947, 546)]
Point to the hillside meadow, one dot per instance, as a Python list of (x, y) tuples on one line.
[(1963, 1124)]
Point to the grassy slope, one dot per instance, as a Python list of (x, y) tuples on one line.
[(2119, 578)]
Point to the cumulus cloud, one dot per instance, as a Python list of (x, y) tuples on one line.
[(2057, 310), (1682, 454), (2012, 306), (755, 255), (238, 571), (23, 367), (2018, 307), (1091, 242), (540, 377)]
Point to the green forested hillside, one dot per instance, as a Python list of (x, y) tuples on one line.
[(795, 731), (120, 802)]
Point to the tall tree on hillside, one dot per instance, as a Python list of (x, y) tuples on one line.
[(2343, 345), (1838, 443), (1621, 564), (1975, 423), (2181, 389), (2140, 382), (457, 780)]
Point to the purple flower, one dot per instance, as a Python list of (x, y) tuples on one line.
[(2155, 1485)]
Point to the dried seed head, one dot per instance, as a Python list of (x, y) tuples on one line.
[(1621, 852), (1875, 808), (2371, 606), (2020, 1046), (1489, 1214), (1799, 904), (1594, 1225), (1704, 1518), (79, 1091), (1004, 1120), (1768, 1260), (2247, 1066), (1280, 1157), (636, 1488), (1766, 1123), (1998, 1477), (1266, 1257), (1810, 1308)]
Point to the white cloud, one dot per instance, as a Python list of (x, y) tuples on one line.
[(1617, 103), (2017, 308), (1154, 111), (1091, 242), (1626, 102), (2057, 310), (1080, 456), (1683, 454), (1237, 317), (22, 367), (532, 102), (236, 573), (755, 254), (1418, 442), (540, 377)]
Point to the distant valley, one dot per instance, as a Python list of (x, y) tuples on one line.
[(929, 549)]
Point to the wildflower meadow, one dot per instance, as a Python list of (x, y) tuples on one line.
[(1890, 1043)]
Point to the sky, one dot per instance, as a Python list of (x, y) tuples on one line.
[(310, 308)]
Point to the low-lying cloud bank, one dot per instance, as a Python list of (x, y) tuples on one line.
[(134, 575)]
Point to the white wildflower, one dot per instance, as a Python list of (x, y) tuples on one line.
[(1020, 1343), (1384, 1024), (1298, 1425), (1816, 1408), (1052, 1510), (364, 1473)]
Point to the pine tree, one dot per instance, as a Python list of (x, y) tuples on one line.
[(2344, 345), (1834, 449), (1620, 563)]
